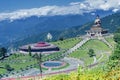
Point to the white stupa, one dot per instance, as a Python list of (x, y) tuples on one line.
[(49, 36)]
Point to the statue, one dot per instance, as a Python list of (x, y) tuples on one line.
[(97, 21)]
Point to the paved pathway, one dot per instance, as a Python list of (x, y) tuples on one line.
[(73, 64), (106, 42), (95, 60)]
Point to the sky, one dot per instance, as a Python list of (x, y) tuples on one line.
[(17, 9), (12, 5)]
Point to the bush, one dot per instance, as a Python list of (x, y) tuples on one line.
[(8, 68), (91, 53)]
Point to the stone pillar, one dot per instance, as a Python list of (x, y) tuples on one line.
[(100, 34), (88, 34)]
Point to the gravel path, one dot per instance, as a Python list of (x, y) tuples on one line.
[(95, 60)]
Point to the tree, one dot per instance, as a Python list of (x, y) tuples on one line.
[(117, 37), (116, 53), (61, 38), (114, 59), (91, 53), (38, 57), (3, 52), (29, 50), (1, 76)]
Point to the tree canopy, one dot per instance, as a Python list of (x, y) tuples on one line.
[(3, 52), (91, 53)]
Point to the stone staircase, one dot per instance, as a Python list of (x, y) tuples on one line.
[(76, 46)]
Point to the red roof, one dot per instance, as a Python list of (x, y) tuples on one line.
[(41, 44)]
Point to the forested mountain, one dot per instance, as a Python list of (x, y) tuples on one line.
[(110, 22)]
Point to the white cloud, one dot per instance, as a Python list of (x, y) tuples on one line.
[(73, 8), (75, 3), (105, 6), (115, 10)]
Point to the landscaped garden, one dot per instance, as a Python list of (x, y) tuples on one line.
[(21, 62)]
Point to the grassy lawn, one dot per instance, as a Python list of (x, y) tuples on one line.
[(67, 43), (21, 61), (2, 71), (82, 55), (97, 45)]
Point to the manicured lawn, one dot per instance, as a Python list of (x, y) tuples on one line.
[(21, 61), (82, 55), (2, 71), (97, 45), (67, 43), (111, 41)]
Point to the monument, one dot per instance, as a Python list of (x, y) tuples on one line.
[(96, 31)]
